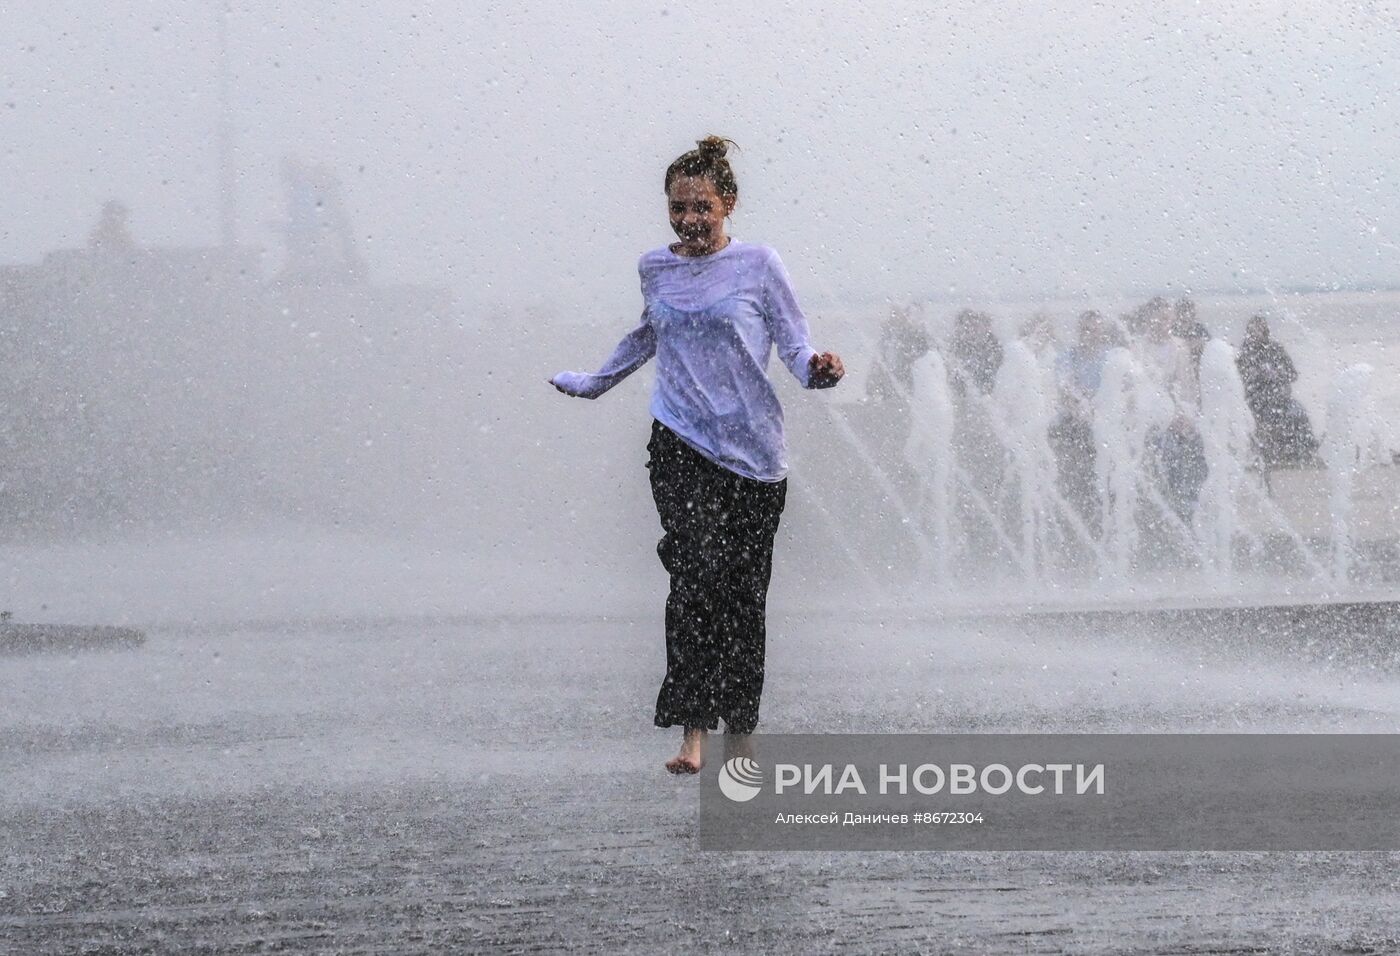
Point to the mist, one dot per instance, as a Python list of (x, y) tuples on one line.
[(515, 151), (953, 156), (282, 289)]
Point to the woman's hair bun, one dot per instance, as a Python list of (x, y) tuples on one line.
[(713, 147), (707, 159)]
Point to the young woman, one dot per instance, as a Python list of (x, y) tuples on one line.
[(714, 309)]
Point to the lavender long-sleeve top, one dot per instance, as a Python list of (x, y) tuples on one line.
[(712, 321)]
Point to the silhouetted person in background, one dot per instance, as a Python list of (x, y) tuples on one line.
[(1191, 330), (1176, 450), (1282, 433), (973, 356), (1078, 373), (903, 341), (974, 353), (1139, 322)]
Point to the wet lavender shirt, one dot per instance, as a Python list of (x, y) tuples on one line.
[(712, 321)]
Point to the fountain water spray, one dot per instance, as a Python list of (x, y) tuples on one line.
[(930, 441), (1348, 446), (1226, 425)]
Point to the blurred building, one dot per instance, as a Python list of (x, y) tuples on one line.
[(142, 383)]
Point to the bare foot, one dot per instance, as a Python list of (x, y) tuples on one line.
[(692, 755), (737, 745)]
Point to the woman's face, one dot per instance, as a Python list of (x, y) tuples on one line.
[(697, 211)]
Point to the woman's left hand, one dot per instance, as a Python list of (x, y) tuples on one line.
[(825, 370)]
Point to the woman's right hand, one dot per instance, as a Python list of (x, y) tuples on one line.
[(825, 370)]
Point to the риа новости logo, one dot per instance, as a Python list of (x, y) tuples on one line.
[(740, 779)]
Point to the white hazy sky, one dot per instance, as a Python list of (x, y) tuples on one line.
[(515, 151)]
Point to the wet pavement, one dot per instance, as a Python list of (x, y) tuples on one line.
[(495, 785)]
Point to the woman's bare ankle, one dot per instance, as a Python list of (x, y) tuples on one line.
[(738, 745), (692, 754)]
